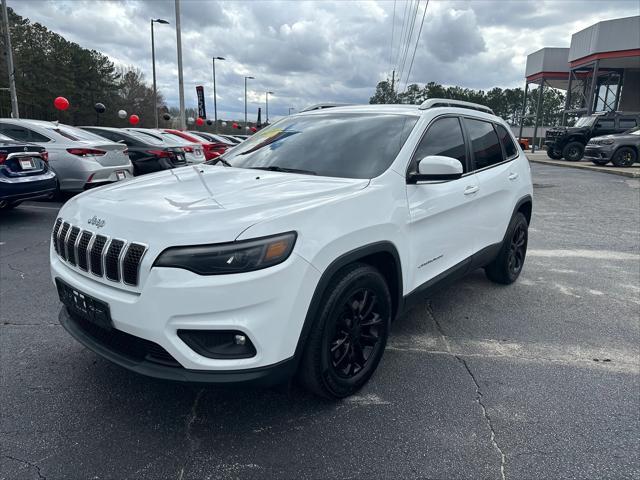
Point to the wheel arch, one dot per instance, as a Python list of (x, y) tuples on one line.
[(524, 206), (382, 255)]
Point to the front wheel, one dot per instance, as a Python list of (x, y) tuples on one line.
[(349, 334), (573, 151), (624, 157), (554, 154), (506, 267)]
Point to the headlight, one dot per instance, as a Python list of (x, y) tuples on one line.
[(607, 141), (233, 257)]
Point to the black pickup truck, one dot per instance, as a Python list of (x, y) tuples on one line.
[(569, 142)]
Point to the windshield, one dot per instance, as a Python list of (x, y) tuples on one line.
[(331, 144), (586, 121)]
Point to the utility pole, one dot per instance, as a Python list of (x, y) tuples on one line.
[(215, 97), (12, 72), (183, 124), (393, 82), (245, 101)]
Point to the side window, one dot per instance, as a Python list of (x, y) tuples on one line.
[(507, 143), (606, 123), (444, 137), (484, 143), (627, 123), (16, 132)]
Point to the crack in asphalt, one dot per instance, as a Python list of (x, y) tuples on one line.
[(25, 249), (11, 267), (193, 414), (479, 395), (27, 463)]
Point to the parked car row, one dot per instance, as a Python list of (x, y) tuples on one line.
[(40, 158), (601, 138)]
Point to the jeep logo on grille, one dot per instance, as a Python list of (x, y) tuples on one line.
[(97, 222)]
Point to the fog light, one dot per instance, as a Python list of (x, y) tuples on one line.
[(222, 344)]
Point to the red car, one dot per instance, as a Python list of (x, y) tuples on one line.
[(211, 149)]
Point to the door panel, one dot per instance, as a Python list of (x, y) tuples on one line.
[(441, 226)]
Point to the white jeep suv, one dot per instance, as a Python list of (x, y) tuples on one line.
[(292, 255)]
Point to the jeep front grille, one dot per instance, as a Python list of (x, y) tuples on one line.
[(115, 259)]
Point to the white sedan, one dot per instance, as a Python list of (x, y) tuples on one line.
[(80, 159)]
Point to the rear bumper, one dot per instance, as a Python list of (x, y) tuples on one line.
[(25, 190), (262, 376)]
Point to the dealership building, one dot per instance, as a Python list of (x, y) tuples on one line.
[(600, 71)]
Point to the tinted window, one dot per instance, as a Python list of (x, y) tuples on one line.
[(606, 123), (444, 137), (344, 145), (627, 122), (509, 147), (484, 143), (143, 138), (23, 134)]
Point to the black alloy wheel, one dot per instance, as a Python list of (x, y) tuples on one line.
[(349, 333), (517, 249), (573, 151), (624, 157), (356, 335)]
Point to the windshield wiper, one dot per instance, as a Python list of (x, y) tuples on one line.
[(275, 168)]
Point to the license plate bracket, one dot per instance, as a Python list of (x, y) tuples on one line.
[(27, 164), (84, 306), (121, 174)]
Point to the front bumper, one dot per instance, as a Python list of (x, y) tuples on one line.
[(268, 306), (264, 376), (599, 152)]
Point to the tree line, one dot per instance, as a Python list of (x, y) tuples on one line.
[(506, 103), (47, 66)]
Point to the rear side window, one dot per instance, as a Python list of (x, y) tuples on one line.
[(444, 137), (606, 123), (23, 134), (628, 123), (507, 143), (484, 143)]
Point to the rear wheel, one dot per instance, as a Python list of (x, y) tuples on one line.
[(573, 151), (506, 267), (624, 157), (554, 154), (349, 335)]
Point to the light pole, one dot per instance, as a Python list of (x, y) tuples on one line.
[(267, 109), (153, 61), (215, 100), (245, 100), (183, 125)]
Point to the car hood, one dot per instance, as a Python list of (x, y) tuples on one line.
[(200, 204)]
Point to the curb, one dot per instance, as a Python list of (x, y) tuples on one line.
[(593, 168)]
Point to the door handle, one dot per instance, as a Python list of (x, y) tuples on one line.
[(513, 176), (471, 189)]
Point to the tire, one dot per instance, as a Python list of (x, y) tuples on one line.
[(573, 151), (601, 163), (507, 265), (344, 346), (624, 157), (554, 154)]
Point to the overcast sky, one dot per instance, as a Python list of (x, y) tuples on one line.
[(310, 52)]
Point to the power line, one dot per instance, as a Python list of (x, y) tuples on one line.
[(408, 42), (416, 47), (404, 21), (393, 25)]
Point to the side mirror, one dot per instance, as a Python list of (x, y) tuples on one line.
[(438, 168)]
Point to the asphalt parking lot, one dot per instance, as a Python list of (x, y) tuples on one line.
[(536, 380)]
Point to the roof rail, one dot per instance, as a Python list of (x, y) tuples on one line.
[(446, 102), (322, 106)]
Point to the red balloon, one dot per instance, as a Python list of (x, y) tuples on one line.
[(134, 119), (254, 129), (199, 121), (235, 125), (61, 103)]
